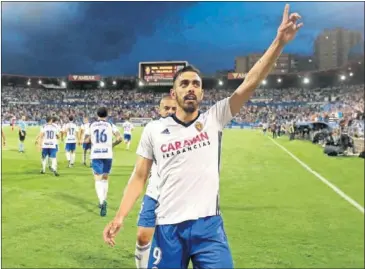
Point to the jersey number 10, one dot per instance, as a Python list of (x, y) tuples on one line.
[(101, 137), (50, 134)]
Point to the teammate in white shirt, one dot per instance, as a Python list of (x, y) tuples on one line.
[(71, 131), (54, 122), (264, 128), (85, 146), (48, 143), (127, 130), (100, 134), (147, 216), (186, 149)]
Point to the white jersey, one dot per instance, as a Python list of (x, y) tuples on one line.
[(85, 127), (71, 129), (187, 157), (101, 134), (50, 133), (127, 128)]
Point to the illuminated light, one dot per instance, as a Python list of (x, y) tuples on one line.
[(279, 80), (264, 82), (102, 83), (310, 60), (140, 83), (114, 82), (28, 83), (39, 81), (343, 77), (351, 74), (220, 82), (63, 84), (306, 80)]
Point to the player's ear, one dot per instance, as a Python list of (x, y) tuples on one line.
[(201, 98), (173, 93)]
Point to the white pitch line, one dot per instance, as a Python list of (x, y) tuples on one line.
[(325, 181)]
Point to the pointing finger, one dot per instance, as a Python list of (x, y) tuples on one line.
[(286, 13)]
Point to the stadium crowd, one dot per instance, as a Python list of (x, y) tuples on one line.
[(344, 104)]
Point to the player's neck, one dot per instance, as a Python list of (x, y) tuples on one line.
[(186, 117)]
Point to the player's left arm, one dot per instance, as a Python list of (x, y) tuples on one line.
[(63, 133), (286, 32), (117, 135)]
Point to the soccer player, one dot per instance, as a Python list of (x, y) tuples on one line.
[(264, 128), (22, 133), (83, 131), (147, 216), (127, 129), (13, 121), (100, 134), (48, 142), (71, 131), (186, 149), (55, 121)]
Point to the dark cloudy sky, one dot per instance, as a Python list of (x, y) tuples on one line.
[(110, 38)]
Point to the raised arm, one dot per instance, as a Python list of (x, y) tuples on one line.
[(286, 32)]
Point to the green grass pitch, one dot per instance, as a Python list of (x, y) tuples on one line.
[(276, 213)]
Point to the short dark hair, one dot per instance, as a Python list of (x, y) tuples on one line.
[(188, 68), (102, 112), (54, 118), (49, 119), (71, 118)]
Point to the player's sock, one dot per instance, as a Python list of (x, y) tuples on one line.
[(128, 144), (54, 163), (44, 164), (141, 255), (105, 188), (99, 187), (68, 156), (73, 157)]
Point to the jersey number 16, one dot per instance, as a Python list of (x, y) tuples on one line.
[(100, 136)]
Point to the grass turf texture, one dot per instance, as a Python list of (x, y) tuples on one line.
[(277, 214)]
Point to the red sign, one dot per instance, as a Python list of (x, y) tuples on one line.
[(84, 78), (236, 75)]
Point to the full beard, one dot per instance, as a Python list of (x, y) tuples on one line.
[(187, 107)]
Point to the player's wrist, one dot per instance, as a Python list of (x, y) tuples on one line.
[(119, 218)]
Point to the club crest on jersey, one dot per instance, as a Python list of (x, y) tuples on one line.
[(199, 126)]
